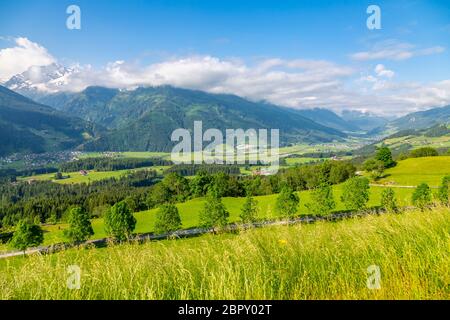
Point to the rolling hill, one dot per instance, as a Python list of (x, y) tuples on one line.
[(26, 126), (422, 119), (437, 137), (143, 119)]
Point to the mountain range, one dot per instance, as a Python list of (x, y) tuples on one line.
[(139, 120), (422, 119), (143, 119), (38, 81), (30, 127)]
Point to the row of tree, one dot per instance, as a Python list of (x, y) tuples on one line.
[(141, 190), (120, 222)]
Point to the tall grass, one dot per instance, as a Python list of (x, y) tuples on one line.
[(319, 261)]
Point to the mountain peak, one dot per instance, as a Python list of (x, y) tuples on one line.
[(38, 80)]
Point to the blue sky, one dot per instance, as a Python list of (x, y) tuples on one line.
[(411, 49)]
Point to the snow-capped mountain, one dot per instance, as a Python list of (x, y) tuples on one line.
[(40, 80)]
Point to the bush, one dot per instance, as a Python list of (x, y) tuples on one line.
[(424, 152), (287, 202), (384, 154), (249, 211), (443, 194), (80, 227), (375, 168), (167, 219), (119, 221), (355, 194), (389, 201), (27, 235), (322, 200), (421, 197), (214, 215)]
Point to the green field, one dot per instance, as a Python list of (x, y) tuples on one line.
[(189, 212), (143, 154), (418, 142), (324, 260), (76, 177), (407, 172), (413, 171)]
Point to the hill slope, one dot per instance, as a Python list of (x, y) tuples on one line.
[(26, 126), (422, 119), (405, 140), (329, 119), (143, 119), (364, 121)]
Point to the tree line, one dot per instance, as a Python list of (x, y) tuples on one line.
[(120, 222), (47, 202), (112, 164)]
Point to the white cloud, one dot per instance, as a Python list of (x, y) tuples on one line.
[(24, 55), (297, 83), (287, 82), (393, 50), (381, 71)]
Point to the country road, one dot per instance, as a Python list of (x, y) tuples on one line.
[(397, 186)]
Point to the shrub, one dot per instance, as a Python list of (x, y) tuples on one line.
[(443, 194), (384, 154), (375, 168), (287, 202), (424, 152), (389, 201), (322, 200), (80, 228), (421, 197), (355, 194), (27, 235), (214, 214), (167, 219), (119, 221), (249, 211)]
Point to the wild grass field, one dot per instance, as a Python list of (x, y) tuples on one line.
[(325, 260)]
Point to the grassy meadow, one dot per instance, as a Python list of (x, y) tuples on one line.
[(414, 171), (77, 177), (407, 172), (190, 210), (325, 260)]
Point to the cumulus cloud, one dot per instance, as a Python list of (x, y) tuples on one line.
[(21, 57), (297, 83), (393, 50), (286, 82)]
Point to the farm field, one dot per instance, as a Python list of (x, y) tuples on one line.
[(414, 171), (190, 210), (319, 261), (127, 154), (77, 177), (418, 142)]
